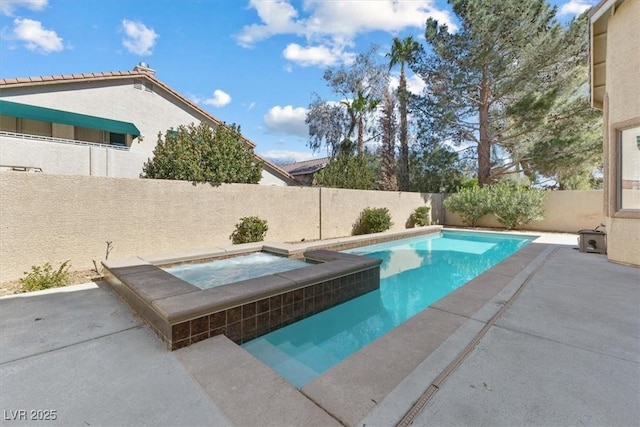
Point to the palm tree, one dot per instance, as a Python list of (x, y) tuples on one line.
[(403, 52), (358, 108)]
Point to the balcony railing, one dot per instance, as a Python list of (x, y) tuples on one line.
[(62, 140)]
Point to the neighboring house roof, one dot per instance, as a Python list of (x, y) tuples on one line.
[(306, 167), (140, 72)]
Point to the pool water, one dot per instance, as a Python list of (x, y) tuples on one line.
[(414, 274), (224, 271)]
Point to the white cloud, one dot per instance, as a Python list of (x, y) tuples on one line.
[(316, 55), (139, 39), (330, 27), (298, 156), (278, 17), (220, 99), (287, 120), (575, 7), (36, 37), (7, 7), (348, 18)]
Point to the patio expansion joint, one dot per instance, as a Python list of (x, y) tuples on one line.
[(431, 307), (431, 390), (338, 420), (137, 326), (590, 350)]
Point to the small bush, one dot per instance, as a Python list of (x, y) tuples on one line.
[(471, 203), (420, 217), (516, 205), (44, 277), (372, 220), (249, 229)]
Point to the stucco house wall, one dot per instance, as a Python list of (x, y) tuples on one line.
[(153, 111), (615, 44)]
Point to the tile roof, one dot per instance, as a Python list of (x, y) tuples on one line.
[(139, 73), (306, 167)]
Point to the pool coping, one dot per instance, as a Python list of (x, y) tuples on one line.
[(378, 384), (182, 314)]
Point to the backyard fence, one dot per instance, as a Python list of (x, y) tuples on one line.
[(53, 218)]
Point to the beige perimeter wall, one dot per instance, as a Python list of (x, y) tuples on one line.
[(52, 218), (565, 211)]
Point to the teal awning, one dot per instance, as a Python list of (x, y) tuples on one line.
[(24, 111)]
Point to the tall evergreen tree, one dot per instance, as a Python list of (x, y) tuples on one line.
[(403, 52), (568, 147), (495, 80)]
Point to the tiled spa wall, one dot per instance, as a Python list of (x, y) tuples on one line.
[(251, 320)]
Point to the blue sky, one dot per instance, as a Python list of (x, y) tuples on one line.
[(251, 62)]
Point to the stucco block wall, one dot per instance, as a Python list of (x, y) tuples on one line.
[(51, 218), (341, 208), (565, 211), (622, 105)]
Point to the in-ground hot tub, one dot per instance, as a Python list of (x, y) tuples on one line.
[(220, 272), (182, 314)]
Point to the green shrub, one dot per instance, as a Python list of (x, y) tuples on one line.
[(372, 220), (44, 277), (516, 205), (471, 203), (249, 229), (421, 216)]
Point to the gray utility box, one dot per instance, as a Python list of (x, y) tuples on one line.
[(593, 241)]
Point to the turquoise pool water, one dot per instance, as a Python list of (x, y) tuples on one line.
[(223, 271), (414, 273)]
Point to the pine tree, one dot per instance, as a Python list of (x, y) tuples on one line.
[(495, 80)]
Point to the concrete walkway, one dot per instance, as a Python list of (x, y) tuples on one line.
[(79, 351), (565, 351)]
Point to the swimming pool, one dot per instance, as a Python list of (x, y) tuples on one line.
[(414, 274), (219, 272)]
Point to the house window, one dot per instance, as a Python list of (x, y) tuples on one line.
[(628, 183), (89, 135), (118, 139), (8, 124), (34, 127)]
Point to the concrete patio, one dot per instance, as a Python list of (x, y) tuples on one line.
[(551, 337)]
